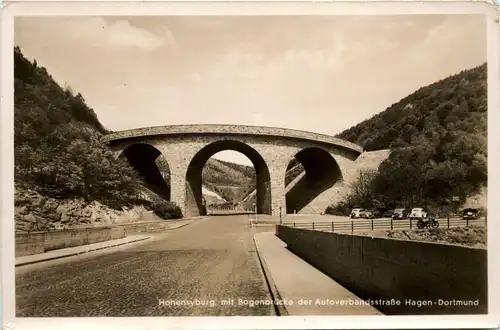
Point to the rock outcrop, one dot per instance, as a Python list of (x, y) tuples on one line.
[(34, 211)]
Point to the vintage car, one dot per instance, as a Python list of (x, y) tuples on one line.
[(471, 214), (418, 213), (356, 213), (388, 214), (370, 214), (400, 214)]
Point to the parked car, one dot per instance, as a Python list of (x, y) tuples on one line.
[(418, 213), (370, 214), (366, 214), (400, 214), (471, 214), (356, 213), (388, 214)]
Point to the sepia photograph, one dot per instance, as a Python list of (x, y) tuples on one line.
[(231, 165)]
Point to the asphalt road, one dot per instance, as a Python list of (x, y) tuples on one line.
[(186, 272)]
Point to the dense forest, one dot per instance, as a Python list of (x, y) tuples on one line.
[(58, 152), (439, 139)]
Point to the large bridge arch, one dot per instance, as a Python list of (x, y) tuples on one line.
[(144, 157), (321, 173), (194, 197)]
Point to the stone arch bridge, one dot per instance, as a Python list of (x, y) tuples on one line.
[(329, 163)]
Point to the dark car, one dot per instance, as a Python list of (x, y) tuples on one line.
[(370, 214), (400, 214), (388, 214), (471, 214)]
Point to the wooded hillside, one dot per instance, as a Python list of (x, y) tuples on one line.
[(439, 137), (454, 104), (58, 153), (57, 147)]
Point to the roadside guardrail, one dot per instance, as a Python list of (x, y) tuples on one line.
[(345, 226)]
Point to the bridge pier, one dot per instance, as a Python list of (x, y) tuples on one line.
[(178, 190), (278, 190)]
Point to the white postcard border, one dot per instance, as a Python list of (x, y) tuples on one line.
[(136, 8)]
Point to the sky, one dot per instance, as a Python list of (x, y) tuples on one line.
[(316, 73)]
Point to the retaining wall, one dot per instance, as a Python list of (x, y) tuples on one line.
[(39, 242), (146, 226), (426, 278)]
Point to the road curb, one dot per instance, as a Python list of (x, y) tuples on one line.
[(183, 225), (77, 253), (273, 290)]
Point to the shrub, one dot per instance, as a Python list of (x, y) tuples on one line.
[(341, 209), (167, 210)]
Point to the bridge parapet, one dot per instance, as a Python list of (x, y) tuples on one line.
[(232, 130)]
